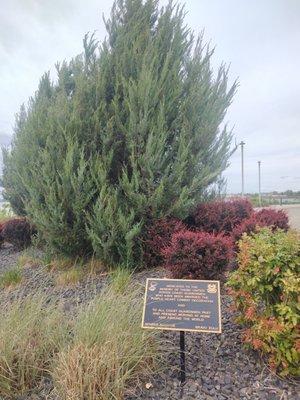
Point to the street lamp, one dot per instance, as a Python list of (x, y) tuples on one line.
[(259, 182), (242, 144)]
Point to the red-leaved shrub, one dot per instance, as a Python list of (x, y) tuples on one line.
[(276, 219), (220, 216), (17, 231), (198, 255), (158, 236), (247, 226), (1, 233)]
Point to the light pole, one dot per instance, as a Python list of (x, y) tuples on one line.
[(242, 144), (259, 182)]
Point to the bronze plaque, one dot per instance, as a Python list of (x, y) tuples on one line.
[(182, 305)]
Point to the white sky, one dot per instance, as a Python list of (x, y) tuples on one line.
[(259, 38)]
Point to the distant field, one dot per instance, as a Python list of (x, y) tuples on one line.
[(293, 211)]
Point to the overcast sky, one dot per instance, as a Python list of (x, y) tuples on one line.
[(259, 38)]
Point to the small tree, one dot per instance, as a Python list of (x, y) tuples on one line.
[(130, 131)]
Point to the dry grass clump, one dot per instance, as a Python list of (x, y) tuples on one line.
[(11, 277), (94, 266), (62, 264), (71, 271), (31, 332), (109, 350), (25, 260), (98, 353), (120, 279), (70, 277)]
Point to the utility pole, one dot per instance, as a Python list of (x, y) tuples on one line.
[(259, 182), (242, 144)]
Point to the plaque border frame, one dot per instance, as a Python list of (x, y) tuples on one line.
[(161, 328)]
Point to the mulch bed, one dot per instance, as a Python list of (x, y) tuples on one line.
[(218, 366)]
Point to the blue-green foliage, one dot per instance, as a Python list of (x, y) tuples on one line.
[(130, 131)]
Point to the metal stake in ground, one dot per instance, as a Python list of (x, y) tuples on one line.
[(164, 303), (182, 358)]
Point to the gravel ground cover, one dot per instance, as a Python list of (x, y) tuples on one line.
[(8, 257), (218, 366)]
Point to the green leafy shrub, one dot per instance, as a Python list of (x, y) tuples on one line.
[(266, 290), (130, 131), (5, 214), (15, 190)]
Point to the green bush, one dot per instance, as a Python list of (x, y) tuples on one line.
[(266, 290), (130, 131), (5, 212)]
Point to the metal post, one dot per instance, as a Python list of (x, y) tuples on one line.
[(182, 359), (242, 159), (259, 182)]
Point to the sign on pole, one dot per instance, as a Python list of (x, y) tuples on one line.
[(182, 305)]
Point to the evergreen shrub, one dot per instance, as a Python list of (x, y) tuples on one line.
[(5, 215), (265, 288), (130, 131), (220, 216), (198, 255)]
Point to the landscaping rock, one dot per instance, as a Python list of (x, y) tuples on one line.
[(218, 365), (8, 257)]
